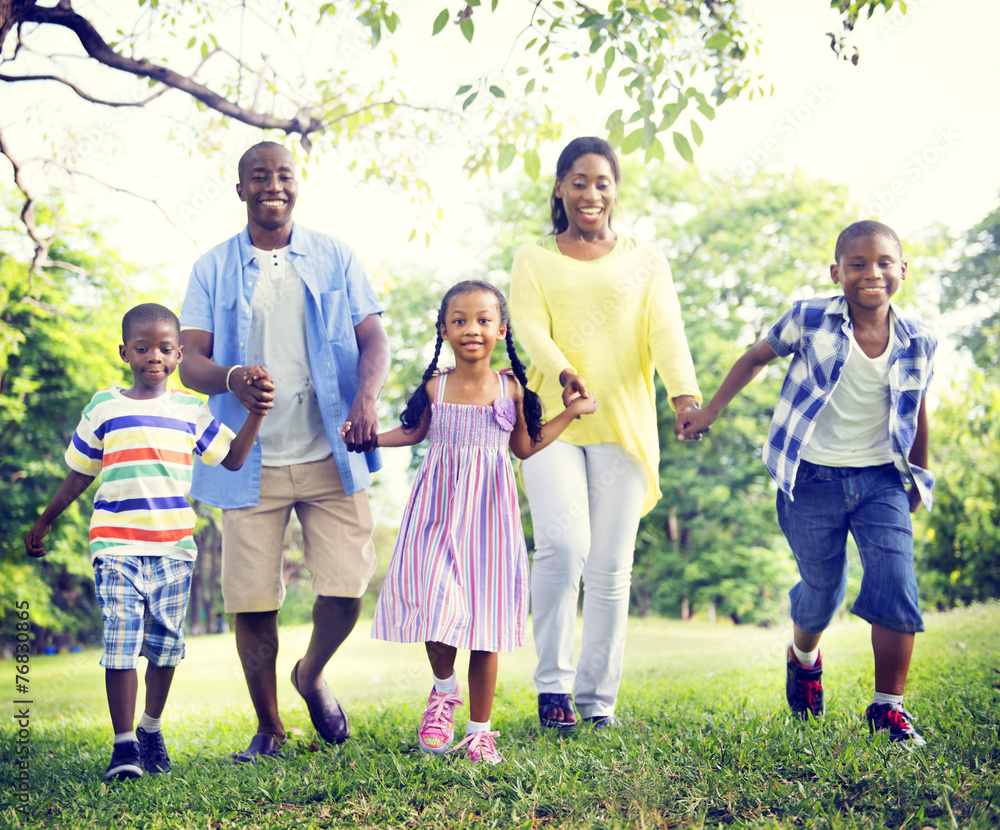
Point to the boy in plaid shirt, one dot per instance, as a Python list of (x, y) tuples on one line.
[(848, 449)]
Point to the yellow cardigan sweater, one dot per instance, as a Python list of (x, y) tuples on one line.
[(610, 320)]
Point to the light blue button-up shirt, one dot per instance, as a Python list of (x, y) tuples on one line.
[(817, 333), (338, 297)]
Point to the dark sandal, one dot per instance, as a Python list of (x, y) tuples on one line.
[(547, 701)]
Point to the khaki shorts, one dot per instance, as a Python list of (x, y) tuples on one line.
[(336, 531)]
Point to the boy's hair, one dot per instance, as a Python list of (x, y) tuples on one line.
[(576, 148), (865, 229), (140, 315), (532, 404), (248, 156)]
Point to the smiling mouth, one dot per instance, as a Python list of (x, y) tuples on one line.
[(273, 202)]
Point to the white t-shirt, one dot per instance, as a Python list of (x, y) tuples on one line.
[(292, 432), (853, 428)]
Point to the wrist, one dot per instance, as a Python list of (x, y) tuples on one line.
[(229, 374)]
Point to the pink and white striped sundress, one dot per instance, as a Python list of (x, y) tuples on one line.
[(459, 571)]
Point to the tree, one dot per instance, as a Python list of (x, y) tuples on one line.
[(59, 335), (675, 62), (972, 286), (958, 550)]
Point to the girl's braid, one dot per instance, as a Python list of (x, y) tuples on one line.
[(418, 401), (532, 404)]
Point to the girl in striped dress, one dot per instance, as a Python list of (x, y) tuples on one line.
[(459, 572)]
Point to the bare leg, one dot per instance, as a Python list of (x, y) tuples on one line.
[(158, 680), (442, 659), (333, 620), (482, 684), (122, 686), (893, 650), (806, 640), (257, 646)]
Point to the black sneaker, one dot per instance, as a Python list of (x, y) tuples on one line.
[(803, 687), (125, 761), (882, 717), (153, 751)]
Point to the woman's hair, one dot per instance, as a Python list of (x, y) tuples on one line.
[(418, 401), (576, 148)]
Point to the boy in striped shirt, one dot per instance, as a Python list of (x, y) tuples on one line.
[(141, 441)]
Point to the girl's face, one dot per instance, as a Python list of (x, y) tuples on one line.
[(588, 193), (472, 325)]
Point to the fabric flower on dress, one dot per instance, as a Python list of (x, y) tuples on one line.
[(504, 414)]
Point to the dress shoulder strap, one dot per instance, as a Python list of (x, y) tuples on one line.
[(439, 397), (503, 384)]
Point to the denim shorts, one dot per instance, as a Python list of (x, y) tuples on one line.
[(143, 600), (871, 503)]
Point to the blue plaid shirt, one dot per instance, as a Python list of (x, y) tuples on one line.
[(817, 333)]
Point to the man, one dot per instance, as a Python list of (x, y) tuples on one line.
[(299, 303)]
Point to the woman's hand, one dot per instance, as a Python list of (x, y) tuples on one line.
[(573, 386)]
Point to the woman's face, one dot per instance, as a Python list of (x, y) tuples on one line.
[(588, 193)]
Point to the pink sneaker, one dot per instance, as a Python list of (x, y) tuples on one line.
[(437, 726), (480, 747)]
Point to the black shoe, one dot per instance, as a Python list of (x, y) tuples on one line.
[(153, 751), (602, 721), (882, 717), (262, 745), (803, 688), (125, 762), (325, 711)]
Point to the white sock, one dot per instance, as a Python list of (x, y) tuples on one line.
[(807, 659), (472, 726), (149, 724), (123, 737), (446, 686), (895, 701)]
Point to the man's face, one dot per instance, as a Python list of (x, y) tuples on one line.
[(268, 186)]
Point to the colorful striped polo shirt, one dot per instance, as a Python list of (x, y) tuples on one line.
[(143, 451)]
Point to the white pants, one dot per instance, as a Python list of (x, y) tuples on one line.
[(585, 508)]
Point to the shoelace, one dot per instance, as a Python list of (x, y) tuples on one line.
[(435, 717), (897, 718), (811, 691), (479, 744)]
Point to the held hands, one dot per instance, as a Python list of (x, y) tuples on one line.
[(255, 391), (582, 404), (692, 422), (360, 430), (33, 541), (573, 386)]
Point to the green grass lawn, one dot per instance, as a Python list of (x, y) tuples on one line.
[(704, 741)]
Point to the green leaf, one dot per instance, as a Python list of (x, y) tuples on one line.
[(600, 81), (696, 133), (463, 89), (707, 110), (192, 42), (204, 50), (532, 165), (497, 92), (505, 156), (632, 142), (468, 101), (609, 57), (493, 5), (440, 22), (717, 41), (614, 120), (683, 147), (468, 28), (413, 235), (529, 87), (655, 151)]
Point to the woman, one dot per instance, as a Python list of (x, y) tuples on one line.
[(595, 312)]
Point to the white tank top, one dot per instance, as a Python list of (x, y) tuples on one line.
[(853, 428)]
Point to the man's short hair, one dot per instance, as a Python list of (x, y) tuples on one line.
[(865, 229)]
